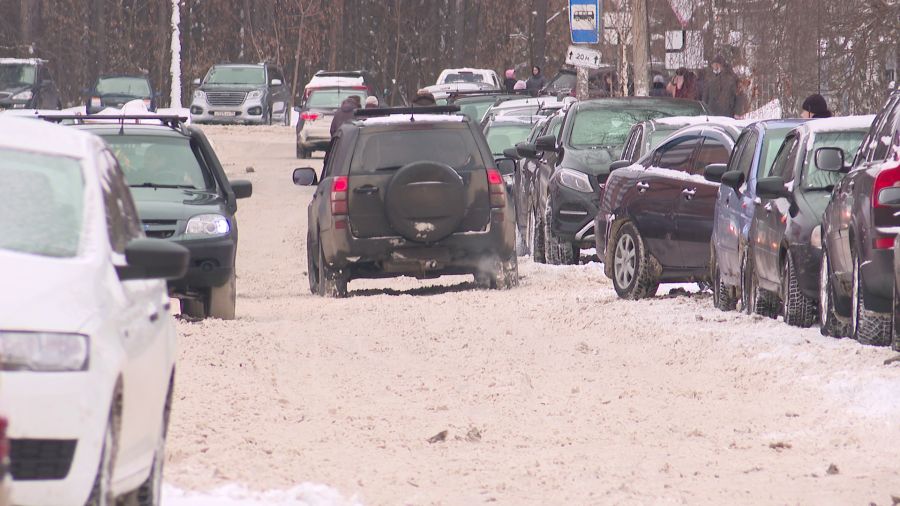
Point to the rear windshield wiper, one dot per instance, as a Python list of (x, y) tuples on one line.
[(157, 185), (393, 167)]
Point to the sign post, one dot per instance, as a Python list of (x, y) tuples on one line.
[(584, 22)]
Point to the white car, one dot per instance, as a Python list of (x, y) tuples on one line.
[(87, 344), (469, 75)]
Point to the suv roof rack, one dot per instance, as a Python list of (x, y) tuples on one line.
[(172, 121), (389, 111)]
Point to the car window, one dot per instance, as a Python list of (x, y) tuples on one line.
[(16, 74), (676, 154), (236, 75), (149, 160), (887, 134), (771, 144), (742, 156), (122, 220), (659, 135), (711, 151), (555, 126), (815, 179), (463, 77), (386, 150), (632, 150), (43, 202), (500, 137), (132, 86), (44, 74), (784, 161), (331, 99)]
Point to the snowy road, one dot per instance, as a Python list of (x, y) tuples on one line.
[(553, 393)]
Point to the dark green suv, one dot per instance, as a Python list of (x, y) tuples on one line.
[(410, 192), (182, 194)]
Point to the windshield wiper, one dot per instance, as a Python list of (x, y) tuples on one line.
[(393, 167), (157, 185)]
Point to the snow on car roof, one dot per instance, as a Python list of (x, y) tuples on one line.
[(43, 137), (839, 123), (334, 81), (693, 120), (547, 102), (395, 119), (21, 61)]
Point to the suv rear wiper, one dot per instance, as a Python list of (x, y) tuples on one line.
[(157, 185), (393, 167)]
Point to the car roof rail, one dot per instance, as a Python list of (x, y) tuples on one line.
[(389, 111), (172, 121)]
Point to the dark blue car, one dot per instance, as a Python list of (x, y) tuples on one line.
[(750, 159)]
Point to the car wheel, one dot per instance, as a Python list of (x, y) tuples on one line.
[(538, 248), (832, 324), (101, 491), (221, 300), (502, 275), (330, 282), (762, 302), (556, 252), (723, 295), (312, 268), (193, 308), (150, 492), (798, 309), (868, 326), (633, 273)]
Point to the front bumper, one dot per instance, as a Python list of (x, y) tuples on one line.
[(211, 265), (49, 412), (14, 104), (250, 111), (573, 214), (877, 273)]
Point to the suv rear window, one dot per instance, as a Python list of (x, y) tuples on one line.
[(331, 99), (149, 160), (451, 144)]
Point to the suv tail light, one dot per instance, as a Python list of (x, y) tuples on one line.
[(497, 189), (886, 178), (883, 214), (309, 116), (339, 189)]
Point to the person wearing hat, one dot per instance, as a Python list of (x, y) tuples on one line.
[(424, 98), (520, 86), (815, 107), (721, 89), (345, 112), (371, 102), (510, 82), (659, 86)]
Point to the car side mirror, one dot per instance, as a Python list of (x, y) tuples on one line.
[(305, 176), (196, 82), (275, 82), (242, 189), (545, 143), (154, 259), (830, 159), (506, 166), (512, 153), (772, 188), (733, 179), (619, 164), (715, 171), (526, 150)]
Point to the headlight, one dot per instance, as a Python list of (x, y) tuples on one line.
[(815, 238), (199, 95), (208, 225), (575, 180), (23, 95), (254, 94), (43, 351)]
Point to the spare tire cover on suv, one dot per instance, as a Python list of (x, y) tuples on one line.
[(425, 201)]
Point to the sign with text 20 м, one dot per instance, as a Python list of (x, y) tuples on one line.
[(584, 20)]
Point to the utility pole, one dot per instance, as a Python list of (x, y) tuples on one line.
[(640, 44)]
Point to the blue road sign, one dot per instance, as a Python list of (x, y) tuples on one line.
[(584, 20)]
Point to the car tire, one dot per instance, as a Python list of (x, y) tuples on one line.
[(798, 309), (221, 301), (869, 327), (330, 283), (193, 308), (538, 246), (831, 323), (745, 283), (633, 274), (150, 492), (724, 297), (101, 491), (312, 268), (503, 274), (761, 302), (556, 252)]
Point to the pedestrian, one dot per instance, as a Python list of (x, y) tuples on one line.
[(424, 98), (720, 90), (344, 114), (815, 107), (536, 82), (520, 86), (659, 86), (683, 85), (510, 82), (371, 102)]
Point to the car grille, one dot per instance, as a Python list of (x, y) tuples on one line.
[(159, 229), (225, 98), (41, 459)]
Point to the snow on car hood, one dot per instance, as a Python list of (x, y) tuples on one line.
[(49, 294)]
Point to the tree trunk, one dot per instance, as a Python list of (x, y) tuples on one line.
[(297, 54), (459, 31), (26, 21), (540, 33), (640, 44), (99, 16)]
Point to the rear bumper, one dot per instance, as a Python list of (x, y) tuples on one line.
[(314, 137), (573, 214), (877, 273), (211, 265)]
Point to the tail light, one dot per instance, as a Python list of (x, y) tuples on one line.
[(309, 116), (883, 212), (496, 188), (885, 179), (4, 443), (339, 190)]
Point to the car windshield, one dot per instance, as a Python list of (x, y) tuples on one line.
[(463, 77), (564, 81), (43, 201), (157, 161), (331, 99), (15, 75), (815, 179), (606, 127), (131, 86), (771, 144), (237, 75), (450, 144), (500, 137), (474, 109)]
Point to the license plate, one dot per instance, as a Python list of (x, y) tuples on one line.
[(224, 113)]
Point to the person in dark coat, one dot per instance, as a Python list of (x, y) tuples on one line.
[(721, 89), (659, 86), (815, 107), (345, 113), (424, 98), (509, 83), (536, 82)]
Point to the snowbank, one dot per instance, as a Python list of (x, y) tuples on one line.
[(305, 494)]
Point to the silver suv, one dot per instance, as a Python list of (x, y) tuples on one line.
[(242, 93)]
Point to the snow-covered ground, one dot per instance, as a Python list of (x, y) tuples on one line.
[(305, 494), (556, 392)]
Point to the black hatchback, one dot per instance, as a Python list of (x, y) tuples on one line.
[(410, 192)]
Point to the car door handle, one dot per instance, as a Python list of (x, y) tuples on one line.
[(366, 189)]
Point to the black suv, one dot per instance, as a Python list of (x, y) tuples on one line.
[(115, 90), (182, 194), (27, 84), (410, 192)]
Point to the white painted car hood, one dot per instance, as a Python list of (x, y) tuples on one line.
[(47, 294)]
